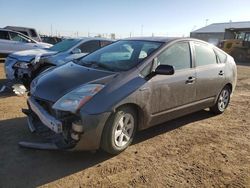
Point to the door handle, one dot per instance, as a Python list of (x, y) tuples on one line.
[(190, 80), (144, 89), (221, 73)]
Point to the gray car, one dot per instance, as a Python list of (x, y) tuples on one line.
[(12, 41), (25, 65), (101, 100)]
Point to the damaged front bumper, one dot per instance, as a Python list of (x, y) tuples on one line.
[(48, 120), (63, 131)]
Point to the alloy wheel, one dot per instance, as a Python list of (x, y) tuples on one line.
[(223, 100), (124, 130)]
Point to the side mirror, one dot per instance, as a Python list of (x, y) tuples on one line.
[(76, 51), (164, 70)]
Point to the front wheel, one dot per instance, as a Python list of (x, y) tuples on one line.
[(222, 101), (119, 131)]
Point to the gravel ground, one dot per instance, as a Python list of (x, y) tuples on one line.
[(198, 150)]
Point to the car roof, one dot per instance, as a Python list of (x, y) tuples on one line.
[(94, 38), (166, 39), (18, 27), (2, 29), (88, 39), (153, 39)]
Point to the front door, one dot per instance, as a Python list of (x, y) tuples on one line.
[(172, 91)]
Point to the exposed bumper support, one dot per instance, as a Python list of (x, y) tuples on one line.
[(48, 120)]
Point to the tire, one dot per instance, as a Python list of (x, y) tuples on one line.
[(239, 55), (222, 101), (119, 130)]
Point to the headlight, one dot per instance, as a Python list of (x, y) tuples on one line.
[(74, 100), (22, 65)]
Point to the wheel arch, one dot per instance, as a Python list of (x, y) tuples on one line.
[(139, 112), (230, 86)]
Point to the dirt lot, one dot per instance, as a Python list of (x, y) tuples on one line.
[(198, 150)]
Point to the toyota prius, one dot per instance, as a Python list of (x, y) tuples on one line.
[(103, 99)]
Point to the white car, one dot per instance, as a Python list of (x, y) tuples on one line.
[(12, 41)]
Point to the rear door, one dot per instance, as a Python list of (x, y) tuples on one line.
[(171, 91), (209, 71)]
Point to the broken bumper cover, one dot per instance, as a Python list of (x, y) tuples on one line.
[(40, 121), (48, 120), (8, 68)]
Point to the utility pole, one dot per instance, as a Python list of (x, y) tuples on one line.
[(51, 29), (207, 21), (141, 30)]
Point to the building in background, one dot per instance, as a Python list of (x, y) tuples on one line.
[(214, 33)]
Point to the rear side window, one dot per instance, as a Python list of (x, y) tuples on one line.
[(204, 55), (221, 56), (90, 46), (4, 35), (177, 55)]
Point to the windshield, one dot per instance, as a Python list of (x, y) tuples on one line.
[(120, 56), (64, 45)]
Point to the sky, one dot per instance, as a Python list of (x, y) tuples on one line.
[(123, 17)]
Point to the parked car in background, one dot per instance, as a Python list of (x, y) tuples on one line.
[(30, 32), (51, 39), (132, 84), (25, 65), (12, 41)]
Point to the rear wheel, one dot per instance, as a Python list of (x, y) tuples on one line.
[(222, 101), (119, 131), (239, 55)]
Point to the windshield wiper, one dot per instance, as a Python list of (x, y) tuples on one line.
[(101, 65)]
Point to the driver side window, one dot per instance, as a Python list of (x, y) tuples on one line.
[(178, 55)]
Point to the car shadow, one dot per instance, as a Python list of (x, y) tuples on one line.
[(7, 91), (30, 168), (171, 125)]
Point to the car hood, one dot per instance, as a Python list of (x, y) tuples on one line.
[(43, 45), (28, 55), (54, 84)]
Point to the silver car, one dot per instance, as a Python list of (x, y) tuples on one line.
[(12, 41), (25, 65)]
